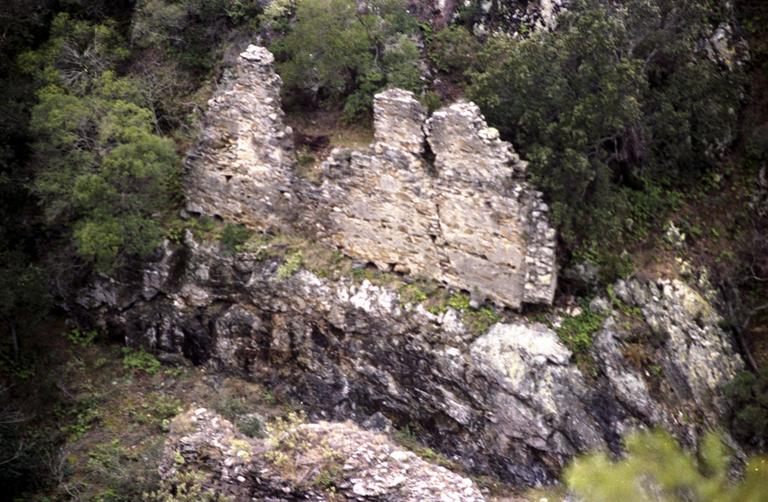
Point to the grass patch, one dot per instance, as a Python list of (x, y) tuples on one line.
[(140, 361), (407, 437), (576, 331), (234, 237)]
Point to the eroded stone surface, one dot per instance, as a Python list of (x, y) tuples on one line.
[(307, 461), (469, 219)]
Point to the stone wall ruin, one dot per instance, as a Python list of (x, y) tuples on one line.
[(440, 197)]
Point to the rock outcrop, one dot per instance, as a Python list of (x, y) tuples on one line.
[(440, 197), (305, 461), (510, 402)]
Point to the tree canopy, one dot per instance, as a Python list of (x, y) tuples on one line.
[(335, 51), (620, 96), (103, 171)]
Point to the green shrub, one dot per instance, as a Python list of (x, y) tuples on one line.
[(290, 266), (655, 468), (190, 32), (185, 486), (82, 338), (120, 473), (140, 360), (647, 105), (234, 236), (576, 331), (251, 425), (411, 293), (104, 174), (337, 51), (479, 320), (454, 50), (748, 393), (458, 301)]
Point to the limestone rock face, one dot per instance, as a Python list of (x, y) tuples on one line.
[(510, 402), (698, 355), (240, 167), (467, 217), (357, 464)]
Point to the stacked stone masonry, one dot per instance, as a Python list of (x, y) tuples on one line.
[(440, 197)]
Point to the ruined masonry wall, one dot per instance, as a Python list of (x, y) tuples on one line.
[(441, 197), (241, 167)]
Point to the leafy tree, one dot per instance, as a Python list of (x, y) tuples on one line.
[(454, 50), (619, 97), (189, 30), (334, 51), (748, 393), (103, 171), (656, 469)]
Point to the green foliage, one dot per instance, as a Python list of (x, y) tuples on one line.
[(412, 293), (477, 320), (616, 99), (252, 426), (655, 468), (80, 416), (104, 173), (748, 393), (576, 331), (190, 30), (454, 50), (480, 320), (336, 50), (122, 473), (157, 410), (24, 298), (458, 301), (82, 338), (290, 266), (140, 360), (234, 236)]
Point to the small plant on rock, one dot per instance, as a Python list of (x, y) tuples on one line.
[(233, 237), (140, 360), (290, 266), (188, 486)]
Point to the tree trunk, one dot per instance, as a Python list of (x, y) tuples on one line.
[(15, 341)]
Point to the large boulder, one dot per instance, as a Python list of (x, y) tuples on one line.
[(304, 461)]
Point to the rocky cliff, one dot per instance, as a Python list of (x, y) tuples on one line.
[(509, 401), (440, 197)]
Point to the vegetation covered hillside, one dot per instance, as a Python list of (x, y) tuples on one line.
[(644, 123)]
